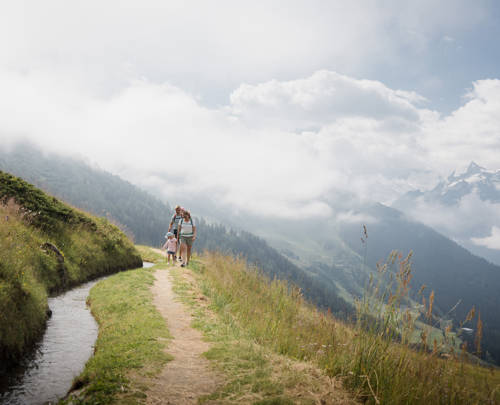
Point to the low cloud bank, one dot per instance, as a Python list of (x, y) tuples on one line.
[(277, 149), (471, 222), (492, 241)]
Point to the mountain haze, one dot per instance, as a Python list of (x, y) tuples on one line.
[(324, 256), (146, 218)]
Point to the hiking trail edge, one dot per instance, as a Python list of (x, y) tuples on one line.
[(188, 375)]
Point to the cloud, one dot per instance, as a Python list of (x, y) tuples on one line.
[(155, 133), (470, 222), (324, 97), (492, 241), (196, 45), (352, 217), (469, 133), (471, 216), (209, 49), (376, 145)]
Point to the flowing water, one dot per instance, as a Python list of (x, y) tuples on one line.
[(46, 374)]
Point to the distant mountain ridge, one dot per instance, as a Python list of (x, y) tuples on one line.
[(465, 207), (475, 179)]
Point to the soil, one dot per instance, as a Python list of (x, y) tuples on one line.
[(188, 376)]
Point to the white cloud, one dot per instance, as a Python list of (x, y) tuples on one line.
[(471, 216), (366, 139), (210, 48), (469, 222), (492, 241), (321, 98), (195, 44), (471, 133), (352, 217)]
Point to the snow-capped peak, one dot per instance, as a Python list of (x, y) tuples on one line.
[(474, 168), (475, 179)]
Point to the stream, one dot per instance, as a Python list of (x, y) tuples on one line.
[(46, 373)]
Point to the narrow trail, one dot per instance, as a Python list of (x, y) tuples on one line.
[(188, 376)]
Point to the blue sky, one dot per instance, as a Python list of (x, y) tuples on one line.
[(452, 61)]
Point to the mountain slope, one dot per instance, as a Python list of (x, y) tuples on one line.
[(147, 218), (46, 247), (456, 275), (324, 256), (331, 248), (92, 190)]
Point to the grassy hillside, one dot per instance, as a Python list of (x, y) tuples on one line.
[(268, 343), (459, 279), (368, 357), (334, 251), (128, 359), (47, 247)]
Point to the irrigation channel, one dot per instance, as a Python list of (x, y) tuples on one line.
[(46, 373)]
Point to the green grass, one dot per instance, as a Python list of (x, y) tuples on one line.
[(149, 255), (23, 297), (132, 338), (275, 316), (253, 373), (29, 272)]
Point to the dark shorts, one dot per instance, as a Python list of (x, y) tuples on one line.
[(188, 240), (171, 253), (174, 231)]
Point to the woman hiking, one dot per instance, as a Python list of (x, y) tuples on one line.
[(187, 234), (174, 223)]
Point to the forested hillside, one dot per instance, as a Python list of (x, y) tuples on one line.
[(318, 288), (92, 190), (147, 218)]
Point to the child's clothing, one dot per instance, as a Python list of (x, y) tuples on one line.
[(171, 246)]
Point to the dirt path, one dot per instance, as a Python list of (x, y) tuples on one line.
[(188, 376)]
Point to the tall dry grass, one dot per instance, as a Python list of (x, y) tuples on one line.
[(375, 356)]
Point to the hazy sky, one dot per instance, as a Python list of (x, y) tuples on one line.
[(262, 105)]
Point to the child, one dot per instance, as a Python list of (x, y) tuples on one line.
[(171, 246)]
